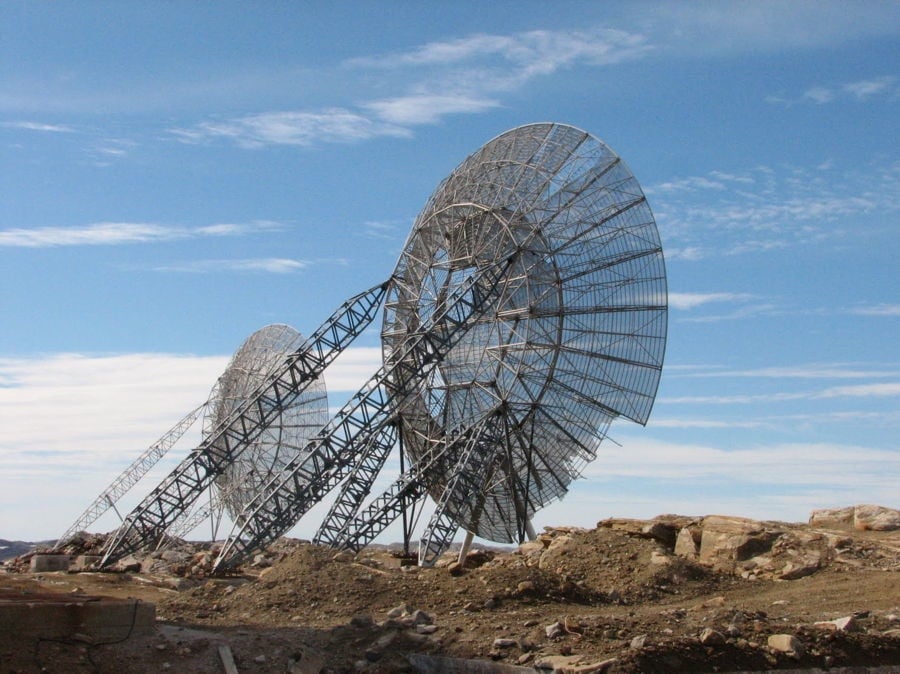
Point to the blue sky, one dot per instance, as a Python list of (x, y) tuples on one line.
[(175, 176)]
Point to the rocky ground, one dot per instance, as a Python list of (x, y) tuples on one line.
[(672, 594)]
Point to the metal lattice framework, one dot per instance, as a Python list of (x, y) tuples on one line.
[(527, 311), (131, 476)]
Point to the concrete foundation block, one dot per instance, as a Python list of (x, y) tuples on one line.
[(40, 563), (85, 562), (98, 619)]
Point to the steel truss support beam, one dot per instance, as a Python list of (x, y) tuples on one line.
[(143, 527), (362, 421), (130, 476), (353, 492), (407, 490), (472, 472), (438, 536), (189, 520)]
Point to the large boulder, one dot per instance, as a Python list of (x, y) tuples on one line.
[(832, 518), (875, 518), (859, 517), (726, 541)]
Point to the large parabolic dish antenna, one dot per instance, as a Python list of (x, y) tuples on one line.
[(252, 365), (575, 338)]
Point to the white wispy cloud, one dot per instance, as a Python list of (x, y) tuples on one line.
[(465, 75), (819, 95), (272, 265), (298, 127), (119, 233), (693, 300), (427, 108), (687, 253), (739, 313), (780, 421), (878, 390), (877, 310), (98, 234), (864, 89), (764, 209), (108, 150), (389, 230), (353, 368), (531, 51), (78, 402), (706, 423), (862, 391), (884, 87), (802, 371), (38, 126), (740, 399)]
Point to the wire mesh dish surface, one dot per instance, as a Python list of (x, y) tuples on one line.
[(575, 338), (257, 358)]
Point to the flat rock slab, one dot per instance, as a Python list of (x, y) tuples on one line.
[(89, 618)]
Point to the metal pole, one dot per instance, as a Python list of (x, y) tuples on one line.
[(464, 550)]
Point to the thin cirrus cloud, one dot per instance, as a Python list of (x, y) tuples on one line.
[(875, 88), (693, 300), (119, 233), (300, 128), (271, 265), (876, 310), (804, 371), (461, 76), (879, 390), (38, 126), (764, 209)]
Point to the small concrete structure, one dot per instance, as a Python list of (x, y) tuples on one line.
[(85, 562), (41, 563), (48, 615)]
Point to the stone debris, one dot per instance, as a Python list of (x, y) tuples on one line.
[(754, 549), (859, 517), (710, 637), (639, 641), (845, 624), (786, 643), (557, 629)]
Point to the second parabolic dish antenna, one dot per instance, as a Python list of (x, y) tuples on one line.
[(574, 339), (261, 354)]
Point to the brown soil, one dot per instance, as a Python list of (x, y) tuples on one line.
[(313, 610)]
